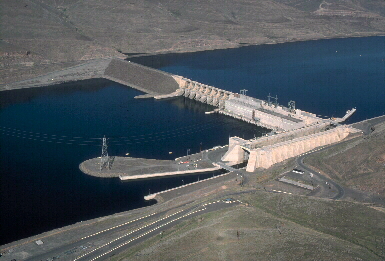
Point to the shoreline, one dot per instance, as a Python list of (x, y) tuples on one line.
[(98, 73), (166, 200), (238, 47)]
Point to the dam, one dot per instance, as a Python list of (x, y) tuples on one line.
[(294, 131), (160, 85), (266, 114)]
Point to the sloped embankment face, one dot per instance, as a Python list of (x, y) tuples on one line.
[(140, 77)]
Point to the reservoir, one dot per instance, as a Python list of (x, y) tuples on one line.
[(45, 133)]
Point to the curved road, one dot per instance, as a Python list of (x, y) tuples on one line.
[(366, 127), (328, 183)]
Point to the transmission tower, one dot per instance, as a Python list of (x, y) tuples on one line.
[(243, 91), (104, 158), (268, 99), (276, 100), (291, 106)]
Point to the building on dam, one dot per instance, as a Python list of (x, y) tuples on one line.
[(295, 131)]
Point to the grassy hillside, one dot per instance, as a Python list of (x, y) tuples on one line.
[(358, 165), (35, 33), (273, 227)]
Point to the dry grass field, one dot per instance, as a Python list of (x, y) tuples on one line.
[(272, 227), (358, 165), (39, 36), (276, 226)]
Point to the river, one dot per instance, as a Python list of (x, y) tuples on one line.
[(45, 133)]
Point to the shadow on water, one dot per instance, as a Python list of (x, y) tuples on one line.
[(27, 94)]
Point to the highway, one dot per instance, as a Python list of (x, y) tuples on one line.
[(120, 237)]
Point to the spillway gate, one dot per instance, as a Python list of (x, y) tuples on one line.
[(205, 93)]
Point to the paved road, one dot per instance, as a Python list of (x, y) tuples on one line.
[(366, 125), (326, 185), (149, 230), (63, 251), (239, 172), (126, 235)]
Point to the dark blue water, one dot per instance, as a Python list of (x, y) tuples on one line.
[(45, 133), (326, 77)]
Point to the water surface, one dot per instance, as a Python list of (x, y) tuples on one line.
[(45, 133)]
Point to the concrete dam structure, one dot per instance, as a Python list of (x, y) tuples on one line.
[(265, 156), (255, 111), (296, 131), (159, 84), (202, 92)]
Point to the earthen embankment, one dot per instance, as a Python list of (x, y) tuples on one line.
[(139, 77)]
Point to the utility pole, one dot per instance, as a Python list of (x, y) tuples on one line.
[(243, 91), (269, 99), (276, 101), (292, 106)]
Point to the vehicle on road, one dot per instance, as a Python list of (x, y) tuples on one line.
[(298, 171)]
